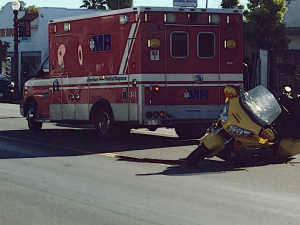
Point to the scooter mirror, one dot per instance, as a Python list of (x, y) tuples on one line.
[(230, 92)]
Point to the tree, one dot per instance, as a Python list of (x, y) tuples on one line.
[(264, 24), (93, 4), (265, 29), (3, 53), (119, 4), (22, 5), (231, 4)]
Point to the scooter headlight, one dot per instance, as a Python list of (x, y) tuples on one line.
[(224, 113), (237, 131)]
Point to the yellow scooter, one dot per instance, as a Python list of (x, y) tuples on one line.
[(250, 125)]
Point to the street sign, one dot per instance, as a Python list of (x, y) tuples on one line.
[(185, 3)]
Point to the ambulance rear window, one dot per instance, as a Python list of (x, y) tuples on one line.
[(179, 44), (206, 45)]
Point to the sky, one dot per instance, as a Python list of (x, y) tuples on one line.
[(75, 4)]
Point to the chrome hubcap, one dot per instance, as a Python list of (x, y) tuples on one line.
[(104, 122)]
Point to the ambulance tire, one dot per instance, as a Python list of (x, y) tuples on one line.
[(191, 131), (33, 125), (105, 124)]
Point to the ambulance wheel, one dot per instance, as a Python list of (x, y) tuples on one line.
[(198, 154), (105, 123), (33, 125), (191, 131)]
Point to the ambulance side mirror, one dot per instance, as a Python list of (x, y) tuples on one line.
[(44, 70), (40, 73)]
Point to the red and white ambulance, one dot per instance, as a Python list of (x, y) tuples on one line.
[(139, 67)]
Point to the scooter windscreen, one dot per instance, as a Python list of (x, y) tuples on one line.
[(261, 104)]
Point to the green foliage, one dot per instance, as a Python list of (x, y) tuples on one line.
[(264, 24), (112, 4), (231, 4), (93, 4), (3, 54), (22, 5), (3, 48), (119, 4), (31, 9)]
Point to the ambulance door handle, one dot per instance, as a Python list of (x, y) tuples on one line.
[(55, 85), (72, 96), (77, 96), (199, 79)]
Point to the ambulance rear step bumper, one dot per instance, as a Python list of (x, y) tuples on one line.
[(175, 122)]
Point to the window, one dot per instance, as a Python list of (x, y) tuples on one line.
[(179, 44), (206, 45), (30, 62)]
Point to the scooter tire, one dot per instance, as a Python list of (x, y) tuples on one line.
[(198, 154)]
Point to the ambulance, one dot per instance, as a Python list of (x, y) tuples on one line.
[(142, 67)]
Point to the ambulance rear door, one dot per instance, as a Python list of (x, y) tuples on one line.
[(192, 70)]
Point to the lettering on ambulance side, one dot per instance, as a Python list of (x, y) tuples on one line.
[(107, 78), (100, 43), (192, 94)]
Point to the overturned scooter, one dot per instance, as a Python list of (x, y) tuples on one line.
[(250, 125)]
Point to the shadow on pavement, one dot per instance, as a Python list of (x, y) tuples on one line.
[(73, 142), (211, 166)]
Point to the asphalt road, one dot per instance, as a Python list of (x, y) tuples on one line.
[(66, 175)]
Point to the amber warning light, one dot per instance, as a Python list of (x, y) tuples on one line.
[(153, 43)]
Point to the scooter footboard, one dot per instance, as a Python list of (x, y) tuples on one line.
[(288, 147)]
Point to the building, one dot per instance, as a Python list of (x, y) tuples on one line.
[(33, 49)]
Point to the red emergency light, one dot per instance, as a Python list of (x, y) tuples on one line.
[(232, 19), (52, 28), (133, 17), (150, 17)]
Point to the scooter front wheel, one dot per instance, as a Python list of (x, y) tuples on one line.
[(198, 154)]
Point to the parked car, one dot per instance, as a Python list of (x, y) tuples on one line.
[(6, 88)]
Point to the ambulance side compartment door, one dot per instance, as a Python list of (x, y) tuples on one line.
[(56, 98)]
